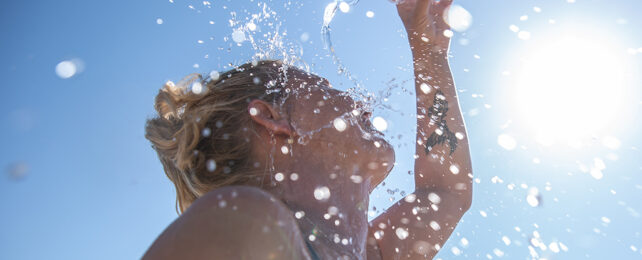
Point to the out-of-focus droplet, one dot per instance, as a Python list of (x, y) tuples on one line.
[(611, 142), (294, 176), (464, 241), (305, 37), (402, 233), (378, 234), (506, 240), (340, 124), (410, 198), (455, 250), (66, 69), (434, 225), (537, 9), (369, 14), (459, 136), (206, 132), (380, 124), (279, 176), (238, 36), (214, 75), (523, 18), (458, 18), (356, 178), (498, 252), (448, 33), (506, 141), (299, 214), (424, 88), (513, 28), (211, 165), (254, 111), (434, 198), (197, 88), (18, 170), (533, 197), (285, 150), (483, 213), (523, 35), (159, 21), (454, 169), (251, 26), (322, 193), (421, 247), (344, 7)]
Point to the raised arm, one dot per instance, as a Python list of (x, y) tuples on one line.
[(417, 226)]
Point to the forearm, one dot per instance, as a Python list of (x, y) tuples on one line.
[(443, 160)]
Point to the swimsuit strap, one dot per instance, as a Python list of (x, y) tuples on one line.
[(313, 253)]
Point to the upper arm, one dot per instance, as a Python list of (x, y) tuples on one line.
[(231, 223), (414, 228)]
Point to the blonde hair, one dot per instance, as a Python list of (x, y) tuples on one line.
[(200, 134)]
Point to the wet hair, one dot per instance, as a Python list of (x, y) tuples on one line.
[(200, 133)]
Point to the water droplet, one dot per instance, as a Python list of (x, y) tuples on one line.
[(506, 141), (448, 33), (524, 35), (206, 132), (211, 165), (197, 88), (222, 204), (312, 237), (285, 150), (238, 36), (340, 124), (332, 210), (459, 136), (434, 225), (402, 233), (523, 18), (506, 240), (424, 88), (611, 142), (410, 198), (251, 26), (159, 21), (294, 176), (434, 198), (455, 250), (299, 214), (356, 179), (454, 169), (279, 176), (214, 75), (66, 69), (370, 14), (378, 234), (305, 37), (458, 18), (344, 7), (322, 193), (380, 124), (254, 111)]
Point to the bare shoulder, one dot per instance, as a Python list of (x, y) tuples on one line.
[(231, 223)]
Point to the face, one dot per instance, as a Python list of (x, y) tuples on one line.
[(333, 127)]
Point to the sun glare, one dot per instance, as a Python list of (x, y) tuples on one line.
[(570, 88)]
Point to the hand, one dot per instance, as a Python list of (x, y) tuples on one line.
[(424, 22)]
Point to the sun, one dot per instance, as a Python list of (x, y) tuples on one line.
[(570, 87)]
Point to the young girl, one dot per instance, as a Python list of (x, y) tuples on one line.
[(270, 162)]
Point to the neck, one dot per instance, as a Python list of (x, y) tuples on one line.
[(339, 222)]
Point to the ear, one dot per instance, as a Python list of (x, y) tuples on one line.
[(265, 115)]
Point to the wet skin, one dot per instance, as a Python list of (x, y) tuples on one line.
[(257, 221)]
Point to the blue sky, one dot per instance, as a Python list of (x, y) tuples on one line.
[(93, 188)]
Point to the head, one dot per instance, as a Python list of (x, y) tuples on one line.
[(260, 120)]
